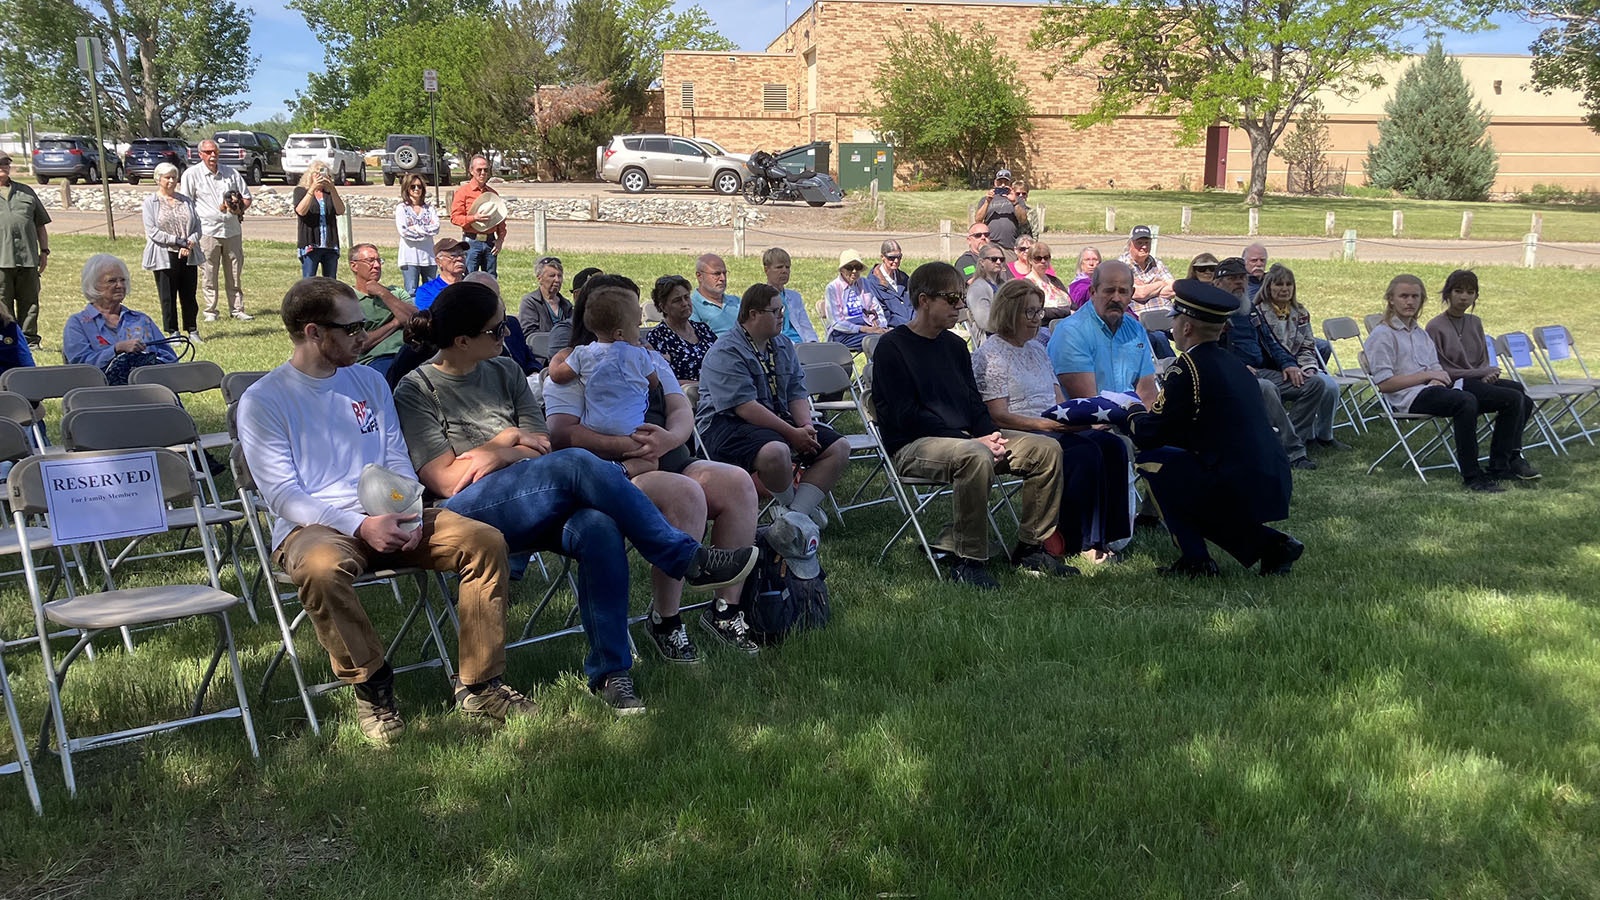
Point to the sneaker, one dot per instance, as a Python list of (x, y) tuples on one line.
[(732, 630), (194, 337), (244, 316), (1521, 471), (497, 700), (674, 644), (1191, 568), (1280, 557), (714, 568), (379, 718), (1304, 462), (617, 691), (1484, 485), (210, 317), (974, 572), (1032, 559)]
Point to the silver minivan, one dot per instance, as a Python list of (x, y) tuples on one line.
[(638, 161)]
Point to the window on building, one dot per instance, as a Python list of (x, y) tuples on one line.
[(686, 95), (775, 97)]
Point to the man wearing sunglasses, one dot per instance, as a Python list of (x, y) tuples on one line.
[(308, 428), (888, 285), (935, 425), (969, 263)]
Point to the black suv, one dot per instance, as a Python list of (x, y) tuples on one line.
[(144, 154), (405, 154), (73, 157), (255, 154)]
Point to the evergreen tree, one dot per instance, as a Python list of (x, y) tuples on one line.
[(1433, 145)]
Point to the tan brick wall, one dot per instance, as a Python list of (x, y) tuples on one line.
[(848, 40)]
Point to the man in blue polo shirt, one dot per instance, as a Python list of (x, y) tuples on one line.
[(709, 301), (1102, 348)]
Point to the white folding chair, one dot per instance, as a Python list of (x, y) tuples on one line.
[(1413, 423), (826, 378), (1556, 345), (282, 594), (15, 444), (1353, 384), (1515, 352), (94, 614)]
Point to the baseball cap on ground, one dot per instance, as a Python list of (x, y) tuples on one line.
[(794, 537), (1138, 232)]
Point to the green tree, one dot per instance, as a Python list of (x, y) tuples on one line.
[(948, 103), (1432, 143), (1305, 151), (1567, 52), (1247, 63), (169, 63)]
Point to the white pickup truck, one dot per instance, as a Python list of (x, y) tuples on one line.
[(335, 151)]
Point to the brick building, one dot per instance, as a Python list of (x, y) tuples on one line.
[(813, 83)]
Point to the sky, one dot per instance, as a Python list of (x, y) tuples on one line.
[(288, 50)]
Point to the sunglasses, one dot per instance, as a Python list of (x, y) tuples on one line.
[(1205, 268), (995, 258), (855, 267), (547, 261), (1040, 258), (978, 234), (894, 257), (349, 328), (501, 329), (956, 299)]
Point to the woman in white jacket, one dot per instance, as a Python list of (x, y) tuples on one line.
[(172, 251), (418, 224)]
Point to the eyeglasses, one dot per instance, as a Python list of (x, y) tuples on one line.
[(956, 299), (350, 328), (772, 312), (1034, 313), (995, 258), (893, 257), (369, 260), (501, 329)]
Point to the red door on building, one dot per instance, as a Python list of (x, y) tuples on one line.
[(1216, 156)]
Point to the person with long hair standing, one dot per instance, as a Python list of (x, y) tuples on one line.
[(318, 205), (418, 224), (172, 251)]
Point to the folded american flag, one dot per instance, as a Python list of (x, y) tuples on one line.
[(1109, 408)]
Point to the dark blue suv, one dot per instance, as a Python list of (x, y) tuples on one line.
[(144, 154), (73, 157)]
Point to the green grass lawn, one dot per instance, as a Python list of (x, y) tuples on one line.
[(1411, 713), (1219, 212)]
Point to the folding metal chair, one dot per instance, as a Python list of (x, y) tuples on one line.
[(823, 378), (94, 614), (1515, 352), (1547, 433), (195, 377), (1371, 320), (282, 593), (41, 383), (1414, 422), (1156, 318), (1556, 345), (1354, 395), (234, 384), (15, 445)]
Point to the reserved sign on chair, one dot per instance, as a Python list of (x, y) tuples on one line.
[(104, 497)]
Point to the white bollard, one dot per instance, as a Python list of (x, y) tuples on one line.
[(1111, 220), (738, 233), (1530, 250), (1186, 220), (1399, 223), (1328, 228), (1538, 224), (1155, 239), (1466, 224), (944, 239), (1349, 245), (1255, 220)]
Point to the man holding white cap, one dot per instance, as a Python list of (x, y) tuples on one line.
[(1004, 210), (484, 223)]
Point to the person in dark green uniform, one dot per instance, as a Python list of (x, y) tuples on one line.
[(1215, 468)]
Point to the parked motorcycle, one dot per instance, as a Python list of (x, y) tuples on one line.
[(770, 181)]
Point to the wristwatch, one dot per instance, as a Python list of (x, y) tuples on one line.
[(45, 252)]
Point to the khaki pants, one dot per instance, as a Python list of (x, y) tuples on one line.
[(969, 468), (226, 254), (324, 565)]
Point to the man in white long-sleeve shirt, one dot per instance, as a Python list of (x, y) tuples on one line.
[(307, 428)]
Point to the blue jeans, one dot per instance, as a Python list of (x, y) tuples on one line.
[(324, 257), (581, 506), (415, 275), (480, 258)]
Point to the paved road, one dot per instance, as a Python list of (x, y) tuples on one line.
[(807, 241)]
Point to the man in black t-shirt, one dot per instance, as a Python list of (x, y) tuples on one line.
[(1005, 210), (935, 425)]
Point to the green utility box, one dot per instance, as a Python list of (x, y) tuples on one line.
[(862, 164)]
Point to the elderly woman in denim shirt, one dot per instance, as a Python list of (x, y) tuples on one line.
[(105, 328)]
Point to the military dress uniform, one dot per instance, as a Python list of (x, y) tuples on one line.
[(1215, 468)]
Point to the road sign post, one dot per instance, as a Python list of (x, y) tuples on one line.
[(92, 59), (430, 84)]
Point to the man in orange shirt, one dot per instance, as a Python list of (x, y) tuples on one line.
[(483, 240)]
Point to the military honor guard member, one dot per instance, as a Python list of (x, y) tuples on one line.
[(1215, 468)]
